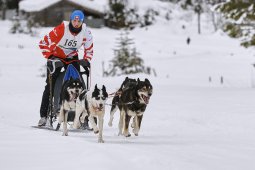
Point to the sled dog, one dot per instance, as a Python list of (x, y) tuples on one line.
[(92, 104), (69, 93), (132, 103), (127, 83)]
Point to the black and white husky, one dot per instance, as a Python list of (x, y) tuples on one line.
[(69, 93), (92, 104), (132, 103)]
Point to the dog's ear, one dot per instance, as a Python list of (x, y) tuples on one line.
[(104, 91), (138, 80), (103, 88), (96, 87), (148, 83)]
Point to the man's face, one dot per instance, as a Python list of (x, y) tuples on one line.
[(76, 23)]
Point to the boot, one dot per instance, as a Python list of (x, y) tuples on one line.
[(42, 121)]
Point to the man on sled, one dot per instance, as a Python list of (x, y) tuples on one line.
[(62, 44)]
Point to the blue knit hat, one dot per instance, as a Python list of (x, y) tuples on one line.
[(77, 14)]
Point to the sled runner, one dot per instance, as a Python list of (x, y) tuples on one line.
[(53, 129)]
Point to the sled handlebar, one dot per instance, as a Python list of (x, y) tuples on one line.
[(86, 66), (53, 64)]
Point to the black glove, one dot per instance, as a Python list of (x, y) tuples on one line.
[(53, 60), (52, 57), (85, 63)]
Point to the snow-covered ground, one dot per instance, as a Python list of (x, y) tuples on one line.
[(190, 123)]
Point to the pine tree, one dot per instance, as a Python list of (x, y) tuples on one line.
[(3, 8), (16, 25), (116, 17), (126, 60), (120, 15), (239, 20)]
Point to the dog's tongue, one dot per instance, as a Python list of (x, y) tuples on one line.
[(146, 99)]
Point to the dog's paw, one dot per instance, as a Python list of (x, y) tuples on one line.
[(100, 141), (135, 131), (65, 134), (127, 134)]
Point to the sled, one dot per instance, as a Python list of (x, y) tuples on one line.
[(54, 105)]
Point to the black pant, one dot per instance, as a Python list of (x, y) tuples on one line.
[(46, 93)]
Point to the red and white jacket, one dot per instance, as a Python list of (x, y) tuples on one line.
[(60, 42)]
